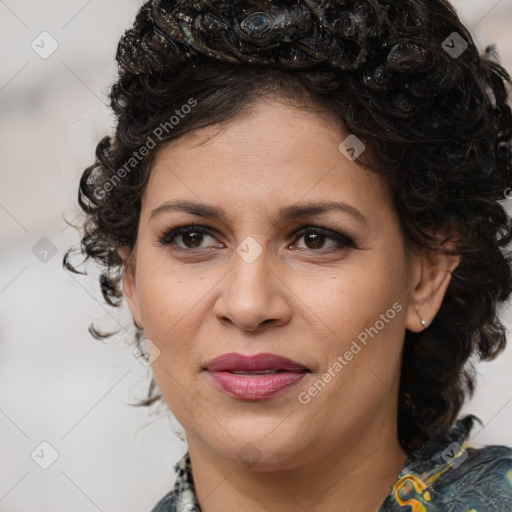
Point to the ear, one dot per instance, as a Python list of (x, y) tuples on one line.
[(432, 273), (129, 283)]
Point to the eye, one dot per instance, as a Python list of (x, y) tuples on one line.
[(191, 236), (314, 238)]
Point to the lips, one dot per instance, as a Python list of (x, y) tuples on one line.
[(256, 364), (256, 377)]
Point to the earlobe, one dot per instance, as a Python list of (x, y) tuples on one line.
[(129, 285), (432, 277)]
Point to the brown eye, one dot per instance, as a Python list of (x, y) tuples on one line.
[(191, 236), (315, 238), (314, 241), (192, 239)]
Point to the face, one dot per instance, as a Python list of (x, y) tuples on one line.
[(332, 289)]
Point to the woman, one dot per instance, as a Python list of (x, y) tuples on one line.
[(300, 203)]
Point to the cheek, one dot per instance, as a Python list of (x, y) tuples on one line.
[(183, 394), (354, 296), (168, 293), (364, 308), (172, 311), (168, 305)]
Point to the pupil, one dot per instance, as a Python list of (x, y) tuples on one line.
[(193, 236), (316, 239)]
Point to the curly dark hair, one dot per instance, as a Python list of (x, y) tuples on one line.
[(437, 125)]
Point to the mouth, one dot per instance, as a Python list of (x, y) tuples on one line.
[(262, 372), (257, 377), (257, 364)]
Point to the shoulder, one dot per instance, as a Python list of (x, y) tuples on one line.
[(175, 501), (169, 503), (166, 504), (182, 498), (449, 475), (481, 478), (483, 471)]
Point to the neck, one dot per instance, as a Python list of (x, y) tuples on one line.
[(357, 473)]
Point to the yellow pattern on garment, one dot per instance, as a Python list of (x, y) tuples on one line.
[(413, 491)]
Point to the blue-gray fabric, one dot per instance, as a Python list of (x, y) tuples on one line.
[(442, 476)]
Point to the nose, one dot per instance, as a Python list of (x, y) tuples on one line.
[(253, 294)]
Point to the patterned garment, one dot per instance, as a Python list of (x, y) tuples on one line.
[(446, 476)]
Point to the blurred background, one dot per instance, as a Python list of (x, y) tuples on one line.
[(69, 440)]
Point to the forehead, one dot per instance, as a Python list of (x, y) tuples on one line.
[(272, 154)]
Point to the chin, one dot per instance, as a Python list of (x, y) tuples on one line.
[(262, 454)]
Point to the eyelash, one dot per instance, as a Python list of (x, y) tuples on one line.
[(342, 241)]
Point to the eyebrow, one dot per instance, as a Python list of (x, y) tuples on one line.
[(284, 214)]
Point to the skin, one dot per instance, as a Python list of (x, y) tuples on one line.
[(296, 299)]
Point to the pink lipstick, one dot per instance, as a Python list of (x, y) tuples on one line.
[(255, 377)]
